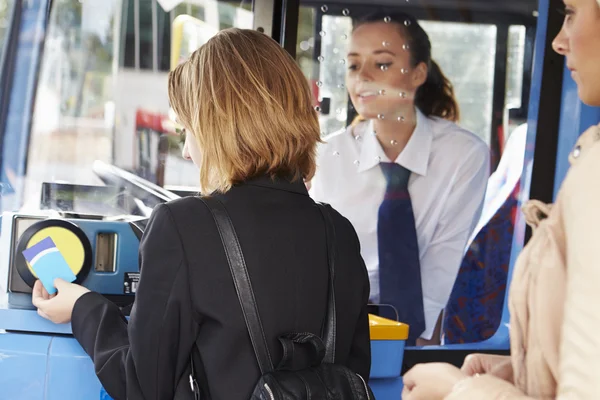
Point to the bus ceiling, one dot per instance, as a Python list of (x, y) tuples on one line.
[(431, 9)]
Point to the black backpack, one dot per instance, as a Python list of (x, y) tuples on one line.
[(323, 379)]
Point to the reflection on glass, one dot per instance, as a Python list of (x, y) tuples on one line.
[(514, 75), (192, 34), (101, 100), (471, 73), (5, 10), (332, 71), (72, 122)]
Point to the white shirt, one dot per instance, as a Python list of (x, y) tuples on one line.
[(450, 168)]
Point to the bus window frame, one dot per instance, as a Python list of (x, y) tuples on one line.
[(10, 42), (7, 64), (22, 92)]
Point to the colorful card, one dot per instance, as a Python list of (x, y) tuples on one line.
[(48, 264)]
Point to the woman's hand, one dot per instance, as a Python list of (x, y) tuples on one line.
[(57, 307), (432, 381), (498, 366)]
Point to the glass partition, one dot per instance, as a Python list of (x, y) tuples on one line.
[(440, 90), (101, 95)]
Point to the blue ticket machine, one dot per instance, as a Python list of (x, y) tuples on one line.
[(40, 359)]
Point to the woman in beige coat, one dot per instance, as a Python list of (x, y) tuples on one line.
[(555, 293)]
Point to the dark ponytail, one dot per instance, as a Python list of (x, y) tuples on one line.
[(436, 96)]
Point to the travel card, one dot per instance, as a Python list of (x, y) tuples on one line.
[(48, 263)]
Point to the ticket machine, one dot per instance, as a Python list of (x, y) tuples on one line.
[(40, 359), (97, 229)]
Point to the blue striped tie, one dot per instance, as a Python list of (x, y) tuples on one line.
[(399, 265)]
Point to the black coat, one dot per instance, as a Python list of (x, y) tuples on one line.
[(186, 295)]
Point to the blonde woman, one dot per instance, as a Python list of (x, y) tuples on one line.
[(554, 297), (252, 132)]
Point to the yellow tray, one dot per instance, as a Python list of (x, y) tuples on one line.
[(386, 329)]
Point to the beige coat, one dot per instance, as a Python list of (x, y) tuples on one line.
[(554, 297)]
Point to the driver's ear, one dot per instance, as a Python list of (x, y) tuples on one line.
[(420, 74)]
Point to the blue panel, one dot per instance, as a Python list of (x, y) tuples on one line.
[(387, 389), (36, 367), (575, 118), (70, 372), (23, 366), (126, 259), (104, 395), (32, 31), (386, 358)]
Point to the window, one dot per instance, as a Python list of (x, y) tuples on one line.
[(102, 92), (514, 74), (5, 15), (467, 53)]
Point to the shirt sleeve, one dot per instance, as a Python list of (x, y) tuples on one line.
[(147, 357), (441, 261)]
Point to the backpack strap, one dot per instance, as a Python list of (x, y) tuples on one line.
[(243, 286), (241, 280), (329, 334)]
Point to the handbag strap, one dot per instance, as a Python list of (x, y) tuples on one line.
[(243, 286)]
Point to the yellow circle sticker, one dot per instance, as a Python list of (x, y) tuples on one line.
[(67, 243)]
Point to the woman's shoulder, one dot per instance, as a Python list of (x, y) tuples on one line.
[(584, 174), (456, 147), (349, 258), (183, 209), (345, 231), (584, 145), (454, 135)]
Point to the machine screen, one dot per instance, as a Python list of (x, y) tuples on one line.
[(82, 199)]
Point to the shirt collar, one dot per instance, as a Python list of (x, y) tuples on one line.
[(414, 157)]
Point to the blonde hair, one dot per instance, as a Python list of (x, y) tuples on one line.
[(249, 107)]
